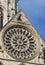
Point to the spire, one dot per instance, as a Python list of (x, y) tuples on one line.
[(13, 9)]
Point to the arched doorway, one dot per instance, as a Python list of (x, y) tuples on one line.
[(1, 18)]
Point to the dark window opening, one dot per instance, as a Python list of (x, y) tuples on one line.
[(1, 19), (1, 63)]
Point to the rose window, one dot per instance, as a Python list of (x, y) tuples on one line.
[(19, 42)]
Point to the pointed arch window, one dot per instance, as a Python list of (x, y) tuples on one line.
[(1, 19)]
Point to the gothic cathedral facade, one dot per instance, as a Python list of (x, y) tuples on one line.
[(20, 43)]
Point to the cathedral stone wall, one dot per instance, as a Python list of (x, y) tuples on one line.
[(3, 5), (5, 59)]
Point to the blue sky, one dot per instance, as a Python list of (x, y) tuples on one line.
[(35, 11)]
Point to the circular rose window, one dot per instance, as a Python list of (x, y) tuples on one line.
[(19, 42)]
